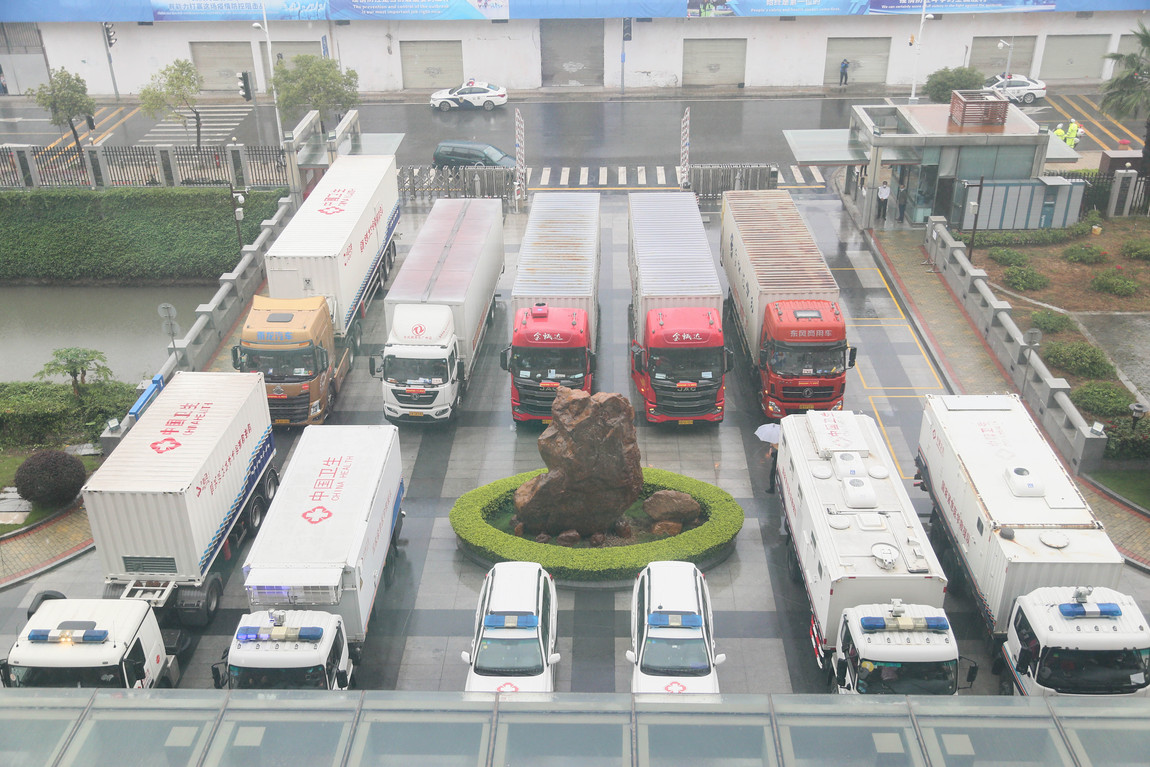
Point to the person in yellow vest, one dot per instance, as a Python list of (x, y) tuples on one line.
[(707, 9), (1072, 133), (1060, 133)]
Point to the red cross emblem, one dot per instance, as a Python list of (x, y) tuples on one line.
[(507, 687), (676, 687), (316, 515), (165, 445)]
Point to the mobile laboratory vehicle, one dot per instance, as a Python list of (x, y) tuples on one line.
[(676, 315), (324, 269), (317, 565), (874, 585), (785, 303), (438, 309), (1010, 523), (554, 303)]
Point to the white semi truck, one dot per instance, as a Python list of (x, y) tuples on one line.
[(315, 569), (875, 587), (1011, 524), (438, 309)]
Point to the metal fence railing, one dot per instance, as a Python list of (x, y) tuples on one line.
[(418, 182), (1100, 191), (710, 181), (130, 166)]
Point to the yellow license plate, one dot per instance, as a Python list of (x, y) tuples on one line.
[(686, 421), (806, 407), (546, 421), (416, 413), (282, 420)]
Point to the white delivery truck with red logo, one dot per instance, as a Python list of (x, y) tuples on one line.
[(438, 309), (315, 569)]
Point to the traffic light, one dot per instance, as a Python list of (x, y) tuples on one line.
[(244, 81), (110, 33), (626, 30)]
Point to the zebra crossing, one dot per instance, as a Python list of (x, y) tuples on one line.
[(218, 125), (654, 177)]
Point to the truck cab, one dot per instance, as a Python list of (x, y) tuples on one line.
[(1077, 641), (678, 365), (897, 649), (114, 643), (804, 357), (550, 347), (421, 368), (287, 650), (292, 342)]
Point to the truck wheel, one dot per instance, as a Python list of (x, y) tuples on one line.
[(112, 590), (355, 341), (793, 568), (271, 484), (256, 513), (212, 600), (391, 256)]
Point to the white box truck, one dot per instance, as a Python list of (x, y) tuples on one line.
[(323, 271), (195, 469), (438, 309), (327, 541), (1011, 525), (554, 303), (676, 316), (875, 588), (784, 301)]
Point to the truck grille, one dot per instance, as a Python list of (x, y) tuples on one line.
[(534, 400), (426, 399), (673, 401), (149, 565), (294, 409), (808, 393)]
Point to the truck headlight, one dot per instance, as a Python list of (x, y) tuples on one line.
[(838, 405), (773, 407)]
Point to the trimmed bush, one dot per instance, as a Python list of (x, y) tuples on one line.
[(36, 413), (1051, 322), (50, 478), (1113, 282), (1137, 248), (1102, 398), (1024, 278), (102, 401), (1079, 358), (1084, 254), (1008, 257), (724, 520), (1124, 443), (1015, 237)]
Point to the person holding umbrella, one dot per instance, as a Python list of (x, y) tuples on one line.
[(769, 433)]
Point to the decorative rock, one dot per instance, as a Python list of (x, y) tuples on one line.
[(598, 539), (671, 506), (667, 528), (594, 470), (568, 538), (622, 528), (543, 538), (518, 530)]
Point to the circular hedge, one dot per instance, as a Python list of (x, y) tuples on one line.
[(616, 563)]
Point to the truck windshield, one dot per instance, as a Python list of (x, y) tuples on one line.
[(537, 364), (84, 676), (1094, 672), (303, 678), (280, 365), (509, 657), (889, 678), (406, 370), (675, 657), (805, 359), (697, 364)]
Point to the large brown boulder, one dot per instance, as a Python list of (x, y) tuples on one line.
[(671, 506), (593, 466)]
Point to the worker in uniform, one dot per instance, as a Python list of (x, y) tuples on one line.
[(1072, 133), (1060, 133)]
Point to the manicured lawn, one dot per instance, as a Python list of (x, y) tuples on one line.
[(1132, 485)]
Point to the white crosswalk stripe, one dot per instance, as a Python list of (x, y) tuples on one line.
[(218, 124), (640, 175), (545, 177), (583, 176), (817, 176)]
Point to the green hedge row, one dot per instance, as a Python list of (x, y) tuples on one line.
[(33, 414), (724, 520), (1015, 237), (125, 235)]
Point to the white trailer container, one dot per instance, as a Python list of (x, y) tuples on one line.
[(558, 260), (331, 526), (164, 503), (339, 244), (1013, 517), (855, 537), (438, 309)]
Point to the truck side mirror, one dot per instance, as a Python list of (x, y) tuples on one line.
[(371, 365), (323, 358), (728, 359), (466, 657), (459, 369), (638, 358), (851, 357), (591, 360), (236, 357), (841, 672), (1023, 662), (341, 679), (630, 656), (505, 358), (354, 653), (217, 677), (720, 659), (553, 658), (972, 674)]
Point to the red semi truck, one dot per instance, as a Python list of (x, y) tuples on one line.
[(677, 353), (554, 303), (785, 304)]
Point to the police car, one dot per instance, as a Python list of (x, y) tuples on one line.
[(513, 646), (672, 640), (1016, 87), (473, 94)]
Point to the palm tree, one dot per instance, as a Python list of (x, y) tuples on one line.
[(1128, 92)]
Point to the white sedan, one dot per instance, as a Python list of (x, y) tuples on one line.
[(471, 95), (1016, 87)]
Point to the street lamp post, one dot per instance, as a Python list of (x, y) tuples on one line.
[(271, 72), (1009, 52), (917, 43), (974, 206), (1033, 338)]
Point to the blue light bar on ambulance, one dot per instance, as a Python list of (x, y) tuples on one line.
[(1090, 610), (879, 623), (279, 634), (511, 621), (68, 635), (675, 620)]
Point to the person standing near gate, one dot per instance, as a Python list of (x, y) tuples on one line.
[(883, 197), (901, 200), (843, 71)]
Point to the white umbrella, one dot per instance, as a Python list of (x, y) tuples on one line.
[(769, 432)]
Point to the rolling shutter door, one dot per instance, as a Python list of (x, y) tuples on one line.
[(571, 51), (869, 58), (219, 62), (986, 57), (1073, 56), (433, 64), (714, 61), (289, 50)]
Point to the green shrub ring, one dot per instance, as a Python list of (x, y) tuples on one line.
[(708, 543)]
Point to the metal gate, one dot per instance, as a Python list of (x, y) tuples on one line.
[(420, 182), (571, 51), (431, 64), (710, 181), (715, 61)]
